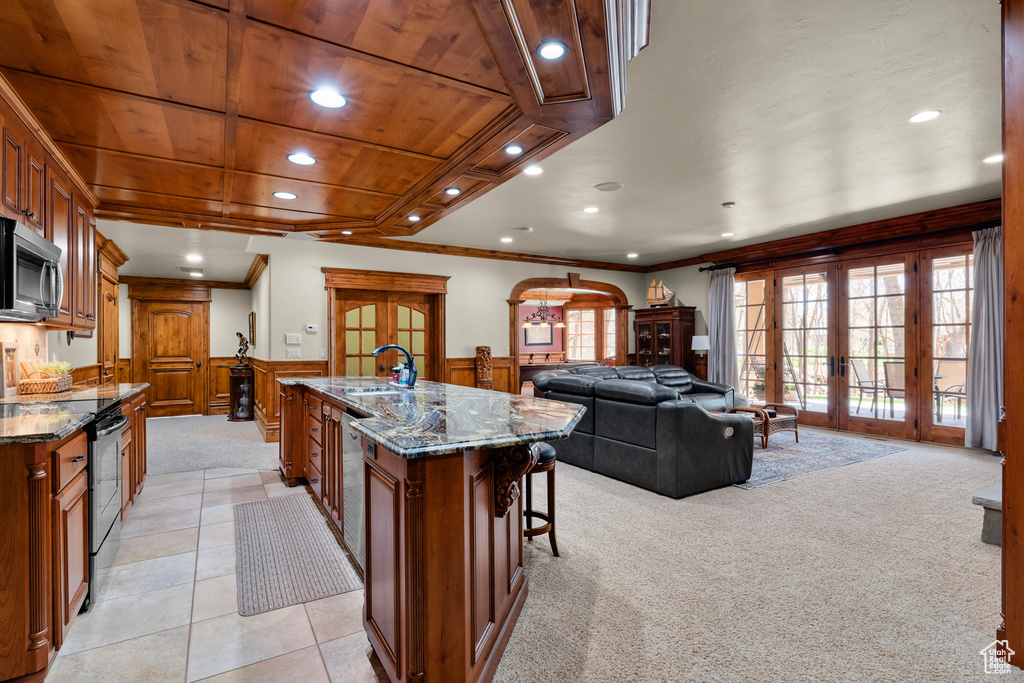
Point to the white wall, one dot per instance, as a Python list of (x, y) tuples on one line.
[(83, 351), (229, 313), (261, 305), (691, 288), (476, 305)]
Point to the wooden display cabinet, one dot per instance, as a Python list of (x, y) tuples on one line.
[(664, 336)]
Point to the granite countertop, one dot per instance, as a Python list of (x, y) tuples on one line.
[(51, 417), (436, 419)]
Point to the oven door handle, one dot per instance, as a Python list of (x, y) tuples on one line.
[(116, 427)]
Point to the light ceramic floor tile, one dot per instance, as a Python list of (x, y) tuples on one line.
[(229, 642), (241, 495), (221, 483), (214, 562), (304, 665), (185, 488), (171, 521), (351, 660), (336, 616), (111, 621), (214, 535), (279, 488), (227, 472), (145, 507), (215, 598), (157, 545), (176, 478), (270, 476), (218, 514), (149, 575), (158, 657)]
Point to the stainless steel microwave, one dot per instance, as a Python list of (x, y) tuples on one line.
[(31, 281)]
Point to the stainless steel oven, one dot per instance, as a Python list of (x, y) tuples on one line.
[(31, 281), (104, 495)]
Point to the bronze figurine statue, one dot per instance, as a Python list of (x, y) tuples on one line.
[(243, 347)]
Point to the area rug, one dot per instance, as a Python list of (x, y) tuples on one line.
[(201, 442), (784, 459), (286, 555)]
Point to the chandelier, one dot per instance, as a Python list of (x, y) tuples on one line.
[(542, 317)]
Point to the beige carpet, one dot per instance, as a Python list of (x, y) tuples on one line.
[(870, 572)]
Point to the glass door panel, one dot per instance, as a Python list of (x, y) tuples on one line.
[(877, 358), (644, 344), (807, 366), (751, 339), (359, 337)]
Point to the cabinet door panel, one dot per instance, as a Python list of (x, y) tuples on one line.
[(84, 267), (11, 176), (61, 230), (71, 554), (35, 191)]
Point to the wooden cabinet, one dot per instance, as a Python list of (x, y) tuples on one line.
[(60, 231), (664, 336), (70, 554), (83, 274), (334, 480), (127, 467), (22, 175), (293, 435), (240, 392), (138, 427)]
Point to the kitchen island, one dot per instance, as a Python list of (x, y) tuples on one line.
[(441, 518)]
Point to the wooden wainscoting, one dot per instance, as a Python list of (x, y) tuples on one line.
[(124, 370), (265, 373), (86, 376), (220, 384), (462, 371)]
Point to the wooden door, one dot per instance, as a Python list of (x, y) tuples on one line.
[(361, 325), (60, 232), (878, 346), (85, 267), (71, 554), (108, 340), (170, 351), (411, 321)]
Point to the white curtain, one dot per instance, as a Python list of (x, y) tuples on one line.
[(985, 356), (722, 327)]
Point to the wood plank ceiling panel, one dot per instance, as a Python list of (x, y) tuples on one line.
[(146, 174), (388, 104), (440, 36), (313, 197), (120, 197), (166, 49)]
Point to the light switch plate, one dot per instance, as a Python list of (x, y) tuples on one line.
[(292, 339), (310, 329), (323, 353), (293, 353)]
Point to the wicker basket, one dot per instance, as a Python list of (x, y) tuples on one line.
[(45, 385)]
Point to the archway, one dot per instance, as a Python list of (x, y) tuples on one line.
[(572, 281)]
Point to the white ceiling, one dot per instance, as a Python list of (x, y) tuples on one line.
[(156, 251), (794, 109)]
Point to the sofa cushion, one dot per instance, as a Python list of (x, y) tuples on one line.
[(632, 391), (577, 450), (715, 402), (541, 379), (578, 385), (633, 464), (599, 371), (673, 376), (586, 423), (627, 422), (635, 373)]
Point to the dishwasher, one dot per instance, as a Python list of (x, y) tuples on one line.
[(352, 476), (104, 495)]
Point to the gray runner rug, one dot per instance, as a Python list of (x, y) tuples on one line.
[(286, 555), (784, 459)]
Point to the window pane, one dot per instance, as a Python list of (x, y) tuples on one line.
[(369, 316), (949, 341), (403, 317), (949, 307)]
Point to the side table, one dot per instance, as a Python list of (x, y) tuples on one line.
[(240, 379), (772, 418)]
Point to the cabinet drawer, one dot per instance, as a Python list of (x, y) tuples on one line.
[(71, 459), (315, 428), (314, 405), (315, 453), (316, 481)]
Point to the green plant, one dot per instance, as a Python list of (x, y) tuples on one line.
[(58, 368)]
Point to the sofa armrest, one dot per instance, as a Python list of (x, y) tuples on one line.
[(713, 387), (699, 450)]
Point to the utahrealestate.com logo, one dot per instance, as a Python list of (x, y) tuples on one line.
[(997, 657)]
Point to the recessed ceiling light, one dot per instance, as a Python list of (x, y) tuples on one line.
[(453, 191), (608, 187), (729, 205), (302, 159), (328, 97), (994, 159), (925, 116), (506, 240), (632, 255), (286, 195), (728, 234), (514, 150), (533, 170), (414, 218), (193, 258), (196, 274), (346, 232), (552, 50), (590, 209)]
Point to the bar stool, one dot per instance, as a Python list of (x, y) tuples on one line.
[(545, 463)]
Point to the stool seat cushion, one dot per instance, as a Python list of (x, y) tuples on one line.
[(547, 453)]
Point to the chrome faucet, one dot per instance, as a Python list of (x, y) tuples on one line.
[(412, 364)]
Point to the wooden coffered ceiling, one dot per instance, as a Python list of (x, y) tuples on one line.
[(182, 113)]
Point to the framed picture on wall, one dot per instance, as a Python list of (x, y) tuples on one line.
[(252, 329), (538, 336)]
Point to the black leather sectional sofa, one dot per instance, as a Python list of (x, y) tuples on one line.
[(652, 427)]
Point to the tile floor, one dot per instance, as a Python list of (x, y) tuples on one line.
[(169, 612)]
